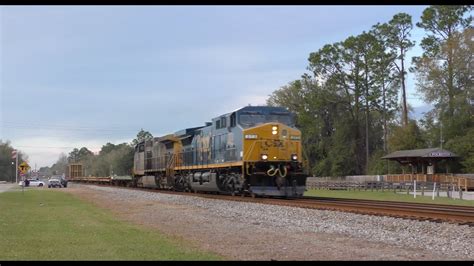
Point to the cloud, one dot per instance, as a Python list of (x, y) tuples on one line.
[(45, 151), (223, 58), (157, 68)]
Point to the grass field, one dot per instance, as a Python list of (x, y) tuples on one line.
[(52, 225), (387, 195)]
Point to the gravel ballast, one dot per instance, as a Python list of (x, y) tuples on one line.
[(239, 230)]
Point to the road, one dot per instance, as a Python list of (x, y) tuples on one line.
[(5, 187)]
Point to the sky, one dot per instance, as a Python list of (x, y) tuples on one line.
[(82, 76)]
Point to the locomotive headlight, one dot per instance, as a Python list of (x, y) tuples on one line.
[(264, 156), (294, 157), (274, 130)]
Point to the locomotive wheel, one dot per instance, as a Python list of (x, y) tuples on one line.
[(253, 195)]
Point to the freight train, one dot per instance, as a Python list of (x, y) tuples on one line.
[(255, 150)]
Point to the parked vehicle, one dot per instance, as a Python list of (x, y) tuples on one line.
[(61, 179), (53, 183), (32, 183), (63, 182)]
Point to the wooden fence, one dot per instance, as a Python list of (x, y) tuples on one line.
[(465, 182), (402, 186), (462, 182)]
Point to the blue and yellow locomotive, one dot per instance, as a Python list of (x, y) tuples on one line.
[(254, 150)]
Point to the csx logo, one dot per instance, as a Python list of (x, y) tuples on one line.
[(273, 143)]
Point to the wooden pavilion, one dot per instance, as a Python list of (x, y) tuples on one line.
[(423, 164), (422, 160)]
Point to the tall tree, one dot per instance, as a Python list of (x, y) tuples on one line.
[(386, 77), (141, 136), (78, 155), (397, 35), (59, 167), (444, 75), (438, 67), (370, 51), (7, 166)]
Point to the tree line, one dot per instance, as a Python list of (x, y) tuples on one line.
[(347, 105), (112, 159), (7, 164)]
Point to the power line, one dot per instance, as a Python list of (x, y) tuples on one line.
[(60, 124), (66, 128), (53, 147)]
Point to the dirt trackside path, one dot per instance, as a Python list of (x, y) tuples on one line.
[(236, 239)]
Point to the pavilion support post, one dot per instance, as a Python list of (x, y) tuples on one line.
[(414, 188)]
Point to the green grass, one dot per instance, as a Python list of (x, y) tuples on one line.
[(53, 225), (386, 195)]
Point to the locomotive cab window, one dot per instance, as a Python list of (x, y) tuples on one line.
[(223, 122), (141, 148), (252, 118), (233, 120)]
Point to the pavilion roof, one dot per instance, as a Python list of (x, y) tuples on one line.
[(421, 153)]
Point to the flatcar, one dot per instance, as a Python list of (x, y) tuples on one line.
[(255, 150)]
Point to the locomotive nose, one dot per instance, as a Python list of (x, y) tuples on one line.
[(270, 142)]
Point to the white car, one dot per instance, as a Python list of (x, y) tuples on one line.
[(33, 183)]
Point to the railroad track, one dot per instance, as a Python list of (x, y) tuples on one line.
[(419, 211), (463, 215)]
